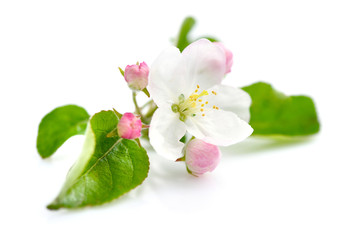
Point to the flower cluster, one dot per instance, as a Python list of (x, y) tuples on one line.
[(190, 101), (189, 115)]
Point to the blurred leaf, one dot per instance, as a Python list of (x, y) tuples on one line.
[(58, 126), (183, 37), (273, 113)]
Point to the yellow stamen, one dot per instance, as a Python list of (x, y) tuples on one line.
[(203, 93), (189, 106), (203, 115), (194, 97)]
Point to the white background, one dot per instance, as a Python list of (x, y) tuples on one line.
[(54, 53)]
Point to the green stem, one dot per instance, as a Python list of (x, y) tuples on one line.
[(146, 117), (151, 111), (146, 104), (137, 108)]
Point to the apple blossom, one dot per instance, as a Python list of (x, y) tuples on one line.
[(137, 76), (187, 89), (129, 126), (201, 157)]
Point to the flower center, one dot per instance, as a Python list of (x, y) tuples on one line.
[(193, 105)]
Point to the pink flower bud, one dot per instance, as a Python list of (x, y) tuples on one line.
[(201, 157), (129, 126), (137, 76), (228, 55)]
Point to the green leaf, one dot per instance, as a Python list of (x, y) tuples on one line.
[(121, 71), (273, 113), (106, 169), (183, 139), (183, 38), (58, 126)]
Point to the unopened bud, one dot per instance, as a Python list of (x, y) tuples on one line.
[(228, 55), (201, 157), (129, 126), (137, 76)]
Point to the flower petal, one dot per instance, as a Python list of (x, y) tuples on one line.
[(231, 99), (167, 79), (218, 127), (165, 132), (205, 63)]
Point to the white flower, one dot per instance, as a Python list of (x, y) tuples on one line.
[(186, 88)]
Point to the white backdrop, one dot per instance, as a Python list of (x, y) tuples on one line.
[(54, 53)]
